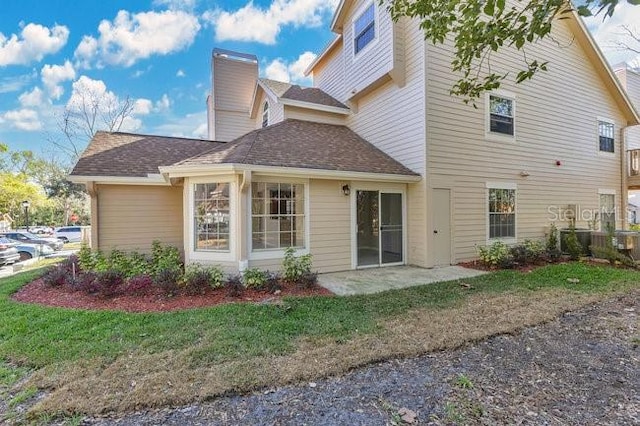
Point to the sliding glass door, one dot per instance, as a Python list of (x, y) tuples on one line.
[(379, 228)]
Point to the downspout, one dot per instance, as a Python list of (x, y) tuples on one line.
[(242, 224), (624, 190), (92, 190)]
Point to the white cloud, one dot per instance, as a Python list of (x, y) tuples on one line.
[(23, 119), (176, 4), (142, 106), (255, 24), (281, 70), (16, 83), (131, 37), (33, 43), (163, 104), (180, 73), (608, 32), (189, 126), (277, 70), (53, 75), (34, 98), (201, 132)]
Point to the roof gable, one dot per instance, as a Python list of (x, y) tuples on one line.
[(303, 145)]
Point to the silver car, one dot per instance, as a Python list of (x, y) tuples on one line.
[(8, 252)]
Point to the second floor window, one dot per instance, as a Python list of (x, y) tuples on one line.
[(605, 131), (364, 29), (265, 114), (501, 119)]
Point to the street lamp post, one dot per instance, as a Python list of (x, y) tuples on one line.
[(25, 205)]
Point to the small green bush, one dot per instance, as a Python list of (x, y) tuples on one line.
[(199, 278), (572, 244), (254, 278), (530, 251), (553, 252), (497, 255), (165, 257), (295, 267)]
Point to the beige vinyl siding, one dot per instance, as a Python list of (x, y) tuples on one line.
[(230, 125), (376, 59), (393, 119), (330, 230), (131, 217), (276, 111), (555, 120), (233, 86), (313, 115), (329, 75), (631, 83)]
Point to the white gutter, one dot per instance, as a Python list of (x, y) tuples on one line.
[(318, 107), (199, 170), (151, 179)]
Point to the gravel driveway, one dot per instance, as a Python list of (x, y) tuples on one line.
[(583, 368)]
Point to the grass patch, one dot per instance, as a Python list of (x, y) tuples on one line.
[(125, 361)]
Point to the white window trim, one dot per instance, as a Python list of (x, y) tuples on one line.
[(212, 255), (499, 137), (269, 254), (500, 185), (597, 138), (376, 26)]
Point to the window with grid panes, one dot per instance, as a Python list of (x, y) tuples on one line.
[(502, 213), (277, 215), (211, 216)]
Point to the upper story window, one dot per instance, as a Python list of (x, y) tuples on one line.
[(265, 114), (606, 134), (501, 115), (364, 28)]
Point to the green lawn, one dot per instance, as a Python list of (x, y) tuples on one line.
[(251, 345), (38, 336)]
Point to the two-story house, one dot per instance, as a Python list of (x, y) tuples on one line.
[(376, 164)]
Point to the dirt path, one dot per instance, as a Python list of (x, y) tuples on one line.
[(583, 368)]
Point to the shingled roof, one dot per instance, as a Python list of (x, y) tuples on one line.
[(296, 92), (302, 144), (131, 155)]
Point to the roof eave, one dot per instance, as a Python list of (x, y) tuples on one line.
[(325, 52), (199, 170), (150, 179), (314, 106), (633, 117)]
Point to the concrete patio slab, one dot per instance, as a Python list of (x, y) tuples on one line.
[(376, 280)]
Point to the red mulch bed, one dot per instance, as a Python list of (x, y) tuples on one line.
[(38, 292)]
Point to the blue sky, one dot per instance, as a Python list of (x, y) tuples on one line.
[(157, 52)]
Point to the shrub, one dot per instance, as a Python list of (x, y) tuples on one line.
[(529, 251), (85, 258), (86, 282), (164, 257), (254, 278), (138, 285), (233, 285), (553, 252), (272, 283), (108, 283), (168, 280), (196, 279), (57, 277), (308, 280), (572, 244), (295, 267), (496, 255)]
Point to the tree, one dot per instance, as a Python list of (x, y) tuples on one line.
[(90, 108), (630, 41), (479, 28)]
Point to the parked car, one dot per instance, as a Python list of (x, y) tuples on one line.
[(28, 237), (69, 234), (41, 230), (8, 252), (30, 251)]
